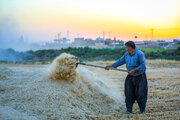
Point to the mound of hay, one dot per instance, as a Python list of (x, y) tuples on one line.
[(63, 68)]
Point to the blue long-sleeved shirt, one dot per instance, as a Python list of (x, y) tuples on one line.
[(134, 61)]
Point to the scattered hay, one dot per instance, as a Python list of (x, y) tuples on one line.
[(154, 78), (175, 83), (162, 94), (4, 73), (63, 68)]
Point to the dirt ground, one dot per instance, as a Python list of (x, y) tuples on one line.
[(163, 92)]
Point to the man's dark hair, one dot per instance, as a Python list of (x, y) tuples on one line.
[(130, 44)]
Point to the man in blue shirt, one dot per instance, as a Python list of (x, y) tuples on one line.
[(136, 86)]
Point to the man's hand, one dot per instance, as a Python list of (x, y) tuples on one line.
[(108, 67), (133, 71)]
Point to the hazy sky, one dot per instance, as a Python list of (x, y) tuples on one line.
[(41, 20)]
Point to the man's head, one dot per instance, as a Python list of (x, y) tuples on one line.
[(130, 46)]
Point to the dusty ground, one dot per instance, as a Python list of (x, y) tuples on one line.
[(94, 103)]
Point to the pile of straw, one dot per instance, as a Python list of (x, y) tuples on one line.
[(64, 68)]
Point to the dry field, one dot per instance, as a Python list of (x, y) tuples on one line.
[(163, 92), (27, 93)]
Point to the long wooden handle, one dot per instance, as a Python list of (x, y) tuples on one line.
[(102, 67)]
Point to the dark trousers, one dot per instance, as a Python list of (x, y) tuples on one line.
[(136, 88)]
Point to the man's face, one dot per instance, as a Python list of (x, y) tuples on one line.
[(129, 49)]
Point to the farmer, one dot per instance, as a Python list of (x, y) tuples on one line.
[(136, 86)]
